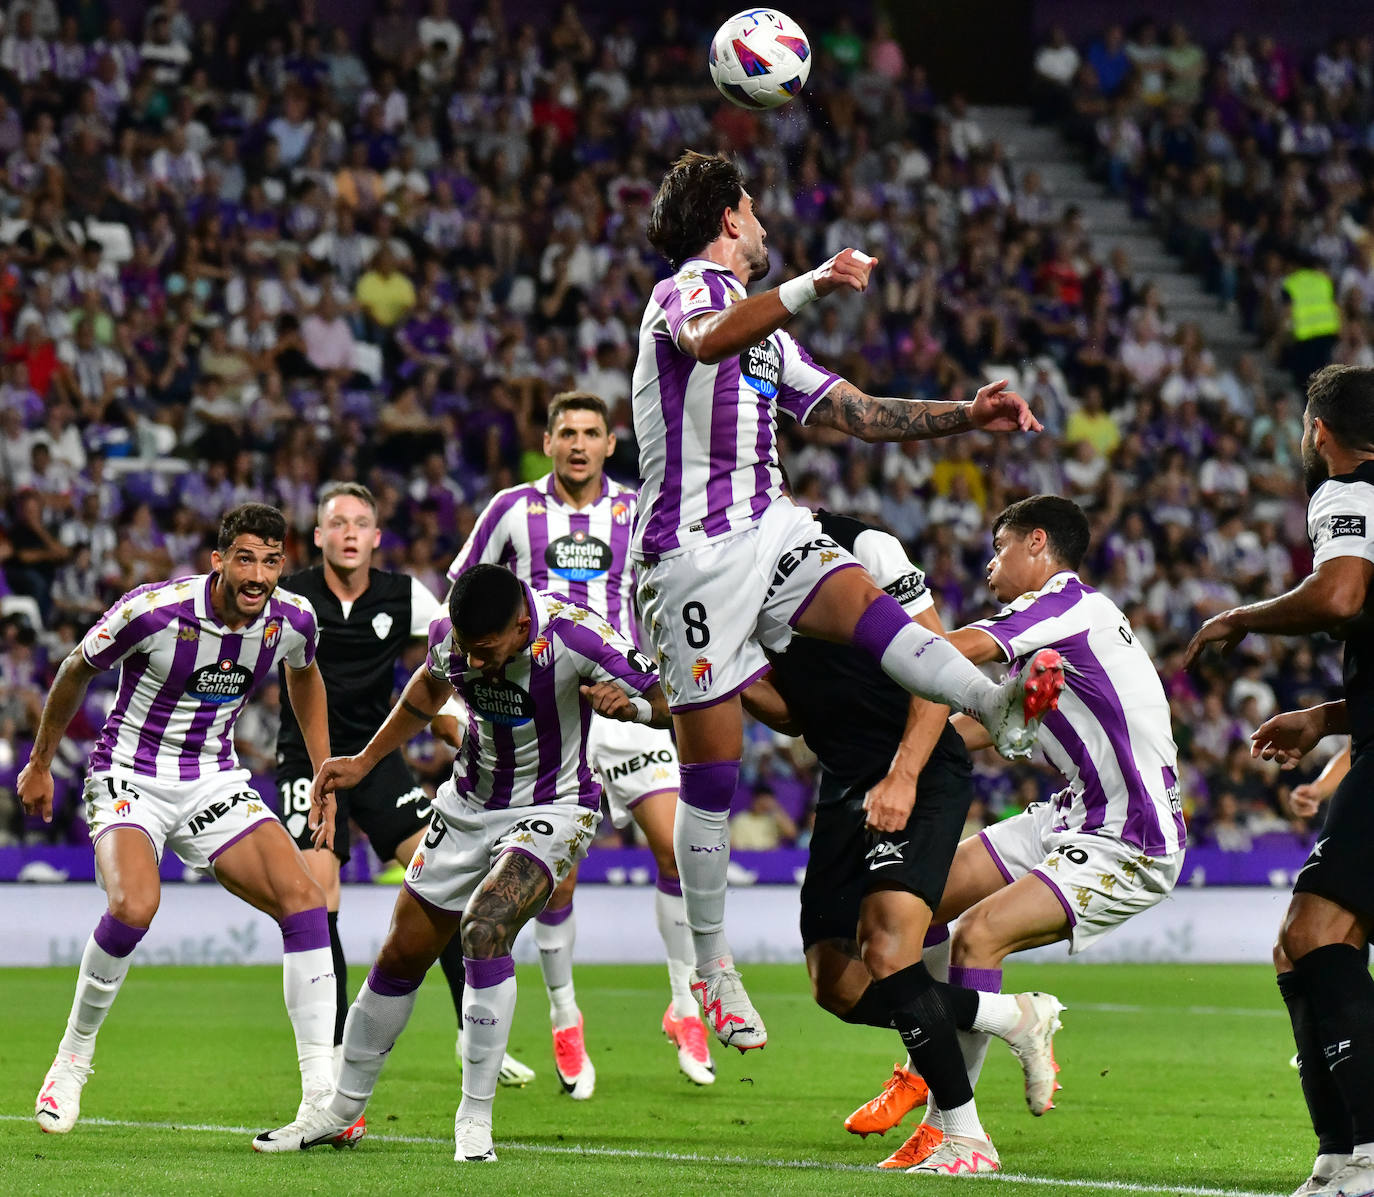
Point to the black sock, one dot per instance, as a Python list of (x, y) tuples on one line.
[(1330, 1120), (922, 1018), (451, 961), (1340, 993), (340, 978), (869, 1011)]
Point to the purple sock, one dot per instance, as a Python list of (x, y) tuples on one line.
[(985, 980), (116, 938), (551, 918), (936, 935), (671, 886), (710, 785), (880, 625), (483, 974), (385, 985), (305, 930)]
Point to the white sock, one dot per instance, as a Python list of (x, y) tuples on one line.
[(487, 1013), (1364, 1149), (308, 985), (679, 950), (97, 985), (555, 943), (701, 844), (998, 1014), (963, 1120), (934, 1115), (974, 1048), (930, 666), (375, 1021)]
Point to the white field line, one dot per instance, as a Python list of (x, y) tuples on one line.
[(691, 1157)]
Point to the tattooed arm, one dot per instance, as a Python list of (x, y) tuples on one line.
[(994, 409), (509, 896)]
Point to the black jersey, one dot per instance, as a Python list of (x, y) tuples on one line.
[(357, 655), (851, 714), (1340, 521)]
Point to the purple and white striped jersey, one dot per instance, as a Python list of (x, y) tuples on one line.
[(184, 677), (526, 741), (1111, 736), (551, 546), (708, 446)]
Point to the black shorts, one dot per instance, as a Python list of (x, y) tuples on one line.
[(390, 806), (848, 861), (1339, 867)]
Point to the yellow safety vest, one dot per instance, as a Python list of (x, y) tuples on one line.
[(1313, 300)]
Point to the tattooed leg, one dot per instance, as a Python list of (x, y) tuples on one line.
[(510, 895)]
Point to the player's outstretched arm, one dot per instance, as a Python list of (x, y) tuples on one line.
[(611, 702), (1333, 593), (714, 336), (64, 700), (415, 710), (994, 409), (1288, 737)]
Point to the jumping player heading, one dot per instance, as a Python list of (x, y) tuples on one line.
[(726, 565)]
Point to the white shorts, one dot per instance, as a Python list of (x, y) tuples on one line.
[(711, 611), (634, 762), (459, 850), (195, 819), (1100, 881)]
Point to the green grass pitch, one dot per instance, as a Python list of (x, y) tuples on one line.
[(1176, 1081)]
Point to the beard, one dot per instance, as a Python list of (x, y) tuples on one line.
[(758, 263), (1314, 469), (235, 601)]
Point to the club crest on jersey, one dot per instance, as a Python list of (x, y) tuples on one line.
[(542, 651), (381, 624), (224, 681), (271, 633), (620, 512), (761, 367), (417, 866), (701, 674), (122, 807), (578, 557)]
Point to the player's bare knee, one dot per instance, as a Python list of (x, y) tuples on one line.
[(483, 937), (301, 892), (1282, 964), (884, 953), (134, 910), (976, 942)]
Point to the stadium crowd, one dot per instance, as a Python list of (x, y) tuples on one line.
[(241, 259)]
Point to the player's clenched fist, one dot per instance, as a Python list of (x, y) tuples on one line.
[(848, 268), (609, 700), (35, 790)]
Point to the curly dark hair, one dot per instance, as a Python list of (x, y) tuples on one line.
[(694, 194), (251, 519)]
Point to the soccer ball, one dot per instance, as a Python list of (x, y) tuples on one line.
[(760, 58)]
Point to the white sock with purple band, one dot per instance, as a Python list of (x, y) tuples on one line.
[(918, 660), (701, 847), (677, 944), (104, 965), (488, 1007), (555, 932), (974, 1044), (308, 985), (375, 1021)]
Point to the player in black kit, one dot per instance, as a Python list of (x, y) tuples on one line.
[(367, 618), (896, 784), (1323, 946)]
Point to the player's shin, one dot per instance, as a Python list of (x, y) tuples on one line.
[(677, 944), (488, 1008), (555, 932), (701, 845), (1341, 992), (919, 660), (340, 978), (1325, 1105), (375, 1022), (974, 1044), (311, 997), (104, 965)]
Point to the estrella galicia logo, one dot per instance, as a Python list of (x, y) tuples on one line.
[(500, 701), (761, 367), (222, 682), (578, 558), (1347, 525)]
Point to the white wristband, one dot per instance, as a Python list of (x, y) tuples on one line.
[(644, 713), (796, 293)]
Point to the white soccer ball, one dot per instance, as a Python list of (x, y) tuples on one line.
[(760, 58)]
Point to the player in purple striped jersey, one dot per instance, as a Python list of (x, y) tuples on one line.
[(164, 773), (516, 816), (570, 531), (1108, 846), (727, 566)]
